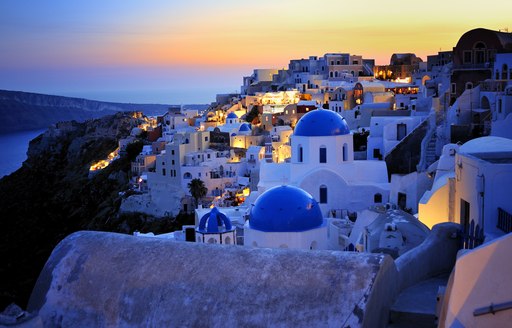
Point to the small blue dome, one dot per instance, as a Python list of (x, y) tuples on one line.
[(214, 222), (285, 209), (244, 127), (232, 115), (321, 122)]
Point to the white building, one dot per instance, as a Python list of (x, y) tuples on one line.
[(322, 163), (478, 192), (387, 131)]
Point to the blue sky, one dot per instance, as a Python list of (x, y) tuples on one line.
[(187, 51)]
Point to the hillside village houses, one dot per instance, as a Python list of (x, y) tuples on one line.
[(287, 165)]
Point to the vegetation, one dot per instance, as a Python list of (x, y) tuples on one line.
[(197, 189), (253, 115), (52, 196)]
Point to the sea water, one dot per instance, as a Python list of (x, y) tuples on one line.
[(13, 148)]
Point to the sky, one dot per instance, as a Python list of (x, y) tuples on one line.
[(182, 52)]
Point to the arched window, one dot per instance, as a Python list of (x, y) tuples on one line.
[(301, 154), (199, 239), (227, 241), (212, 241), (345, 152), (314, 245), (323, 154), (187, 175), (323, 194), (377, 198), (469, 85)]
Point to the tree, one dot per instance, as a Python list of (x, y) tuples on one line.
[(197, 189)]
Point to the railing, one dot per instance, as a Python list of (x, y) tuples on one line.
[(492, 308), (471, 236), (504, 221)]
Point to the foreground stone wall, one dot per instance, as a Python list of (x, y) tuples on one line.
[(106, 279)]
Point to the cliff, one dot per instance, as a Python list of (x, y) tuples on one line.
[(29, 111), (51, 196)]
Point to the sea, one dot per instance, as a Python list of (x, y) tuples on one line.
[(14, 148)]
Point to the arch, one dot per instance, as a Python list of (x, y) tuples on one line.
[(212, 240), (377, 198), (479, 45), (322, 154), (469, 85), (322, 194), (345, 152), (227, 241), (198, 239), (300, 153), (314, 245), (187, 175), (254, 244), (484, 103), (424, 79)]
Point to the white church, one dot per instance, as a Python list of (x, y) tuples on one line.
[(322, 163)]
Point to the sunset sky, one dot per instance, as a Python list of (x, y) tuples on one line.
[(163, 51)]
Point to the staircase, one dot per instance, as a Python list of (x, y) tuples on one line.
[(430, 155), (416, 305)]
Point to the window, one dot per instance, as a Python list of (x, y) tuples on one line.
[(467, 57), (163, 171), (323, 194), (377, 198), (301, 154), (465, 209), (187, 175), (205, 138), (172, 162), (345, 152), (401, 131), (469, 85), (323, 154), (376, 153), (402, 200), (454, 88), (172, 152)]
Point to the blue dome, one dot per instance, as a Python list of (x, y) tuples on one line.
[(244, 127), (214, 222), (285, 209), (232, 115), (321, 122)]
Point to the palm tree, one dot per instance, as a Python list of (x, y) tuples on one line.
[(197, 189)]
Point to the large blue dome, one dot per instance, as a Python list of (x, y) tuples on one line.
[(285, 209), (321, 122)]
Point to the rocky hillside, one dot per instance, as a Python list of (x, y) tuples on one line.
[(29, 111), (52, 196)]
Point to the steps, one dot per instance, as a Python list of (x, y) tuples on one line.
[(430, 155), (416, 305)]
